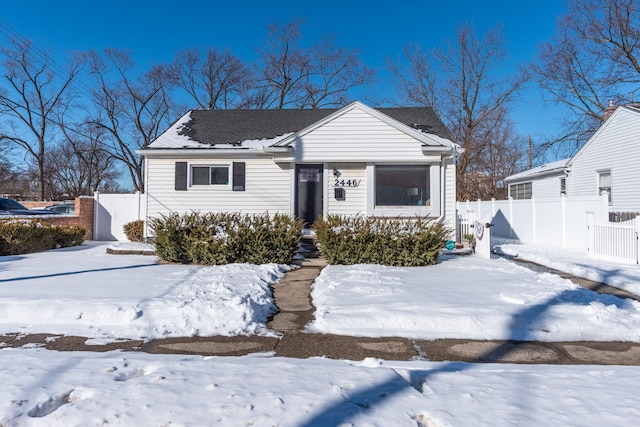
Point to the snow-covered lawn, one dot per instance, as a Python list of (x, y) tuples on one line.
[(467, 297), (84, 291), (621, 276)]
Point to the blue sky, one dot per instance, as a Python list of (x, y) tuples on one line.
[(155, 30)]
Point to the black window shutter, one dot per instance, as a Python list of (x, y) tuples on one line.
[(238, 176), (181, 176)]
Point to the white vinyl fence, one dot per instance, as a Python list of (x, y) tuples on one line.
[(113, 211), (577, 223), (614, 240)]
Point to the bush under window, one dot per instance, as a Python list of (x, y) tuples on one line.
[(377, 240)]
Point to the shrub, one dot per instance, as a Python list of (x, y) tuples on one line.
[(134, 230), (375, 240), (27, 236), (222, 238)]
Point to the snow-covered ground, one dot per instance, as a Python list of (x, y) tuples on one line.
[(621, 276), (467, 297), (84, 291)]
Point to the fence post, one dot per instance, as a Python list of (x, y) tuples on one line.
[(510, 217), (96, 215), (637, 220), (533, 219), (563, 219), (590, 231), (605, 205)]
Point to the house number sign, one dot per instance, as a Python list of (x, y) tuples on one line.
[(346, 182)]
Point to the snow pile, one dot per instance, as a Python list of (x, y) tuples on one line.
[(467, 297)]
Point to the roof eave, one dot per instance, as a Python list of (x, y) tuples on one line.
[(555, 171), (188, 151)]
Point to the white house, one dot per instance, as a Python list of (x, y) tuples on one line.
[(308, 163), (608, 161)]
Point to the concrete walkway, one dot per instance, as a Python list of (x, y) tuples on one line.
[(292, 297)]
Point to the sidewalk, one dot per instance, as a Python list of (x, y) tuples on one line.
[(292, 297)]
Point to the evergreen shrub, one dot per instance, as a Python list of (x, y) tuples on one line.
[(20, 236), (379, 240), (223, 238), (134, 230)]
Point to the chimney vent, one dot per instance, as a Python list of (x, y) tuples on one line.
[(610, 109)]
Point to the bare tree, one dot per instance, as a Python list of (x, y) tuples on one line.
[(293, 77), (13, 181), (34, 88), (335, 71), (132, 108), (593, 59), (219, 80), (460, 81), (80, 164)]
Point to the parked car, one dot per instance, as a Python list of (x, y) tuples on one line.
[(62, 208), (13, 207)]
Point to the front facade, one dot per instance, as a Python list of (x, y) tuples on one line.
[(310, 163), (609, 161)]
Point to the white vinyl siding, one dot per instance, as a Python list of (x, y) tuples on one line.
[(449, 186), (615, 147), (268, 188), (356, 137), (355, 201), (547, 186)]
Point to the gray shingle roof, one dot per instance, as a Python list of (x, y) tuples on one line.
[(234, 126)]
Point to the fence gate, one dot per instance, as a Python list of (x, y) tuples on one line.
[(113, 211), (617, 241)]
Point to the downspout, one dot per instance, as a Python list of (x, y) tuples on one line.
[(454, 156), (145, 232)]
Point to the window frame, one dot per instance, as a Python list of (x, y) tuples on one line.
[(427, 209), (209, 166), (563, 185), (518, 191), (600, 188)]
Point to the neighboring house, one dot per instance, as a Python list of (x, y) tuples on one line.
[(548, 180), (307, 162), (608, 161)]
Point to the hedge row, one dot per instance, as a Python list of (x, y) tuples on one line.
[(377, 240), (223, 238), (23, 236)]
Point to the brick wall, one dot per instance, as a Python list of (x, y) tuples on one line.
[(83, 216)]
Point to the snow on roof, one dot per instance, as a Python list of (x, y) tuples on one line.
[(446, 142), (557, 166), (174, 137), (255, 144)]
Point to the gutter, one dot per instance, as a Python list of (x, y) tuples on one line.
[(189, 152)]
